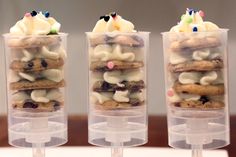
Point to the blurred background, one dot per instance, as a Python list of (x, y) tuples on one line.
[(155, 16)]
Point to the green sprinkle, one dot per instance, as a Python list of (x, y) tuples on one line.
[(189, 20), (53, 31)]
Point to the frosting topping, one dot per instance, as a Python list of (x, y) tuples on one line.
[(211, 77), (36, 23), (115, 77), (113, 23), (192, 21), (107, 52)]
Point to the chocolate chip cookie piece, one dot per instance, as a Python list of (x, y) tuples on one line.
[(32, 41), (199, 89), (125, 40), (38, 84), (195, 43), (118, 65), (32, 106), (132, 86), (114, 105), (197, 104), (202, 66), (35, 65)]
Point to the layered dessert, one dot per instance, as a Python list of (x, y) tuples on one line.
[(194, 55), (117, 64), (36, 57)]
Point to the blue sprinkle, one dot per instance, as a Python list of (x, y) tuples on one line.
[(190, 11), (46, 14), (195, 29)]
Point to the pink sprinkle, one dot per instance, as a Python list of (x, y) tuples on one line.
[(201, 13), (170, 93), (110, 65), (27, 15)]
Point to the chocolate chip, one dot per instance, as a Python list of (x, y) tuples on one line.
[(105, 85), (177, 104), (113, 14), (102, 17), (185, 92), (44, 63), (30, 105), (204, 99), (30, 64), (106, 18), (56, 105), (33, 13), (134, 102)]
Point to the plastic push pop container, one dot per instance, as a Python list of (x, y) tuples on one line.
[(117, 89), (196, 76), (35, 67)]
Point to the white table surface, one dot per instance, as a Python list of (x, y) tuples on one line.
[(105, 152)]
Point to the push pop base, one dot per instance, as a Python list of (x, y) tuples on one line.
[(105, 152)]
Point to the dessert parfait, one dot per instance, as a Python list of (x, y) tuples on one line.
[(117, 54), (35, 52), (195, 63)]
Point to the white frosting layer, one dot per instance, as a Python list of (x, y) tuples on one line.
[(36, 25), (207, 78), (198, 55), (192, 21), (113, 24), (121, 96), (38, 96), (49, 54), (107, 52), (50, 74), (115, 77)]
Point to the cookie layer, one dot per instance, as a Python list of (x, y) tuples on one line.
[(118, 65), (38, 106), (114, 105), (38, 84), (199, 89), (200, 105), (132, 86), (124, 40), (195, 43), (204, 65), (27, 42), (37, 64)]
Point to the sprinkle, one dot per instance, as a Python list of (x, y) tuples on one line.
[(53, 31), (106, 18), (190, 11), (195, 29), (170, 93), (201, 13), (34, 13), (113, 15), (110, 65), (189, 20), (102, 17), (46, 14), (27, 15)]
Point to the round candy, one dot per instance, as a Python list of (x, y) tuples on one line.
[(170, 93), (113, 14), (201, 13), (110, 65), (27, 15), (34, 13), (53, 31), (46, 14), (106, 18), (195, 29)]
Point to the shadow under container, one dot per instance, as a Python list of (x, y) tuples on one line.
[(35, 70), (196, 82), (117, 88)]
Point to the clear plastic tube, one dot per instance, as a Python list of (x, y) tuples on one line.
[(117, 89), (35, 70), (196, 78)]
